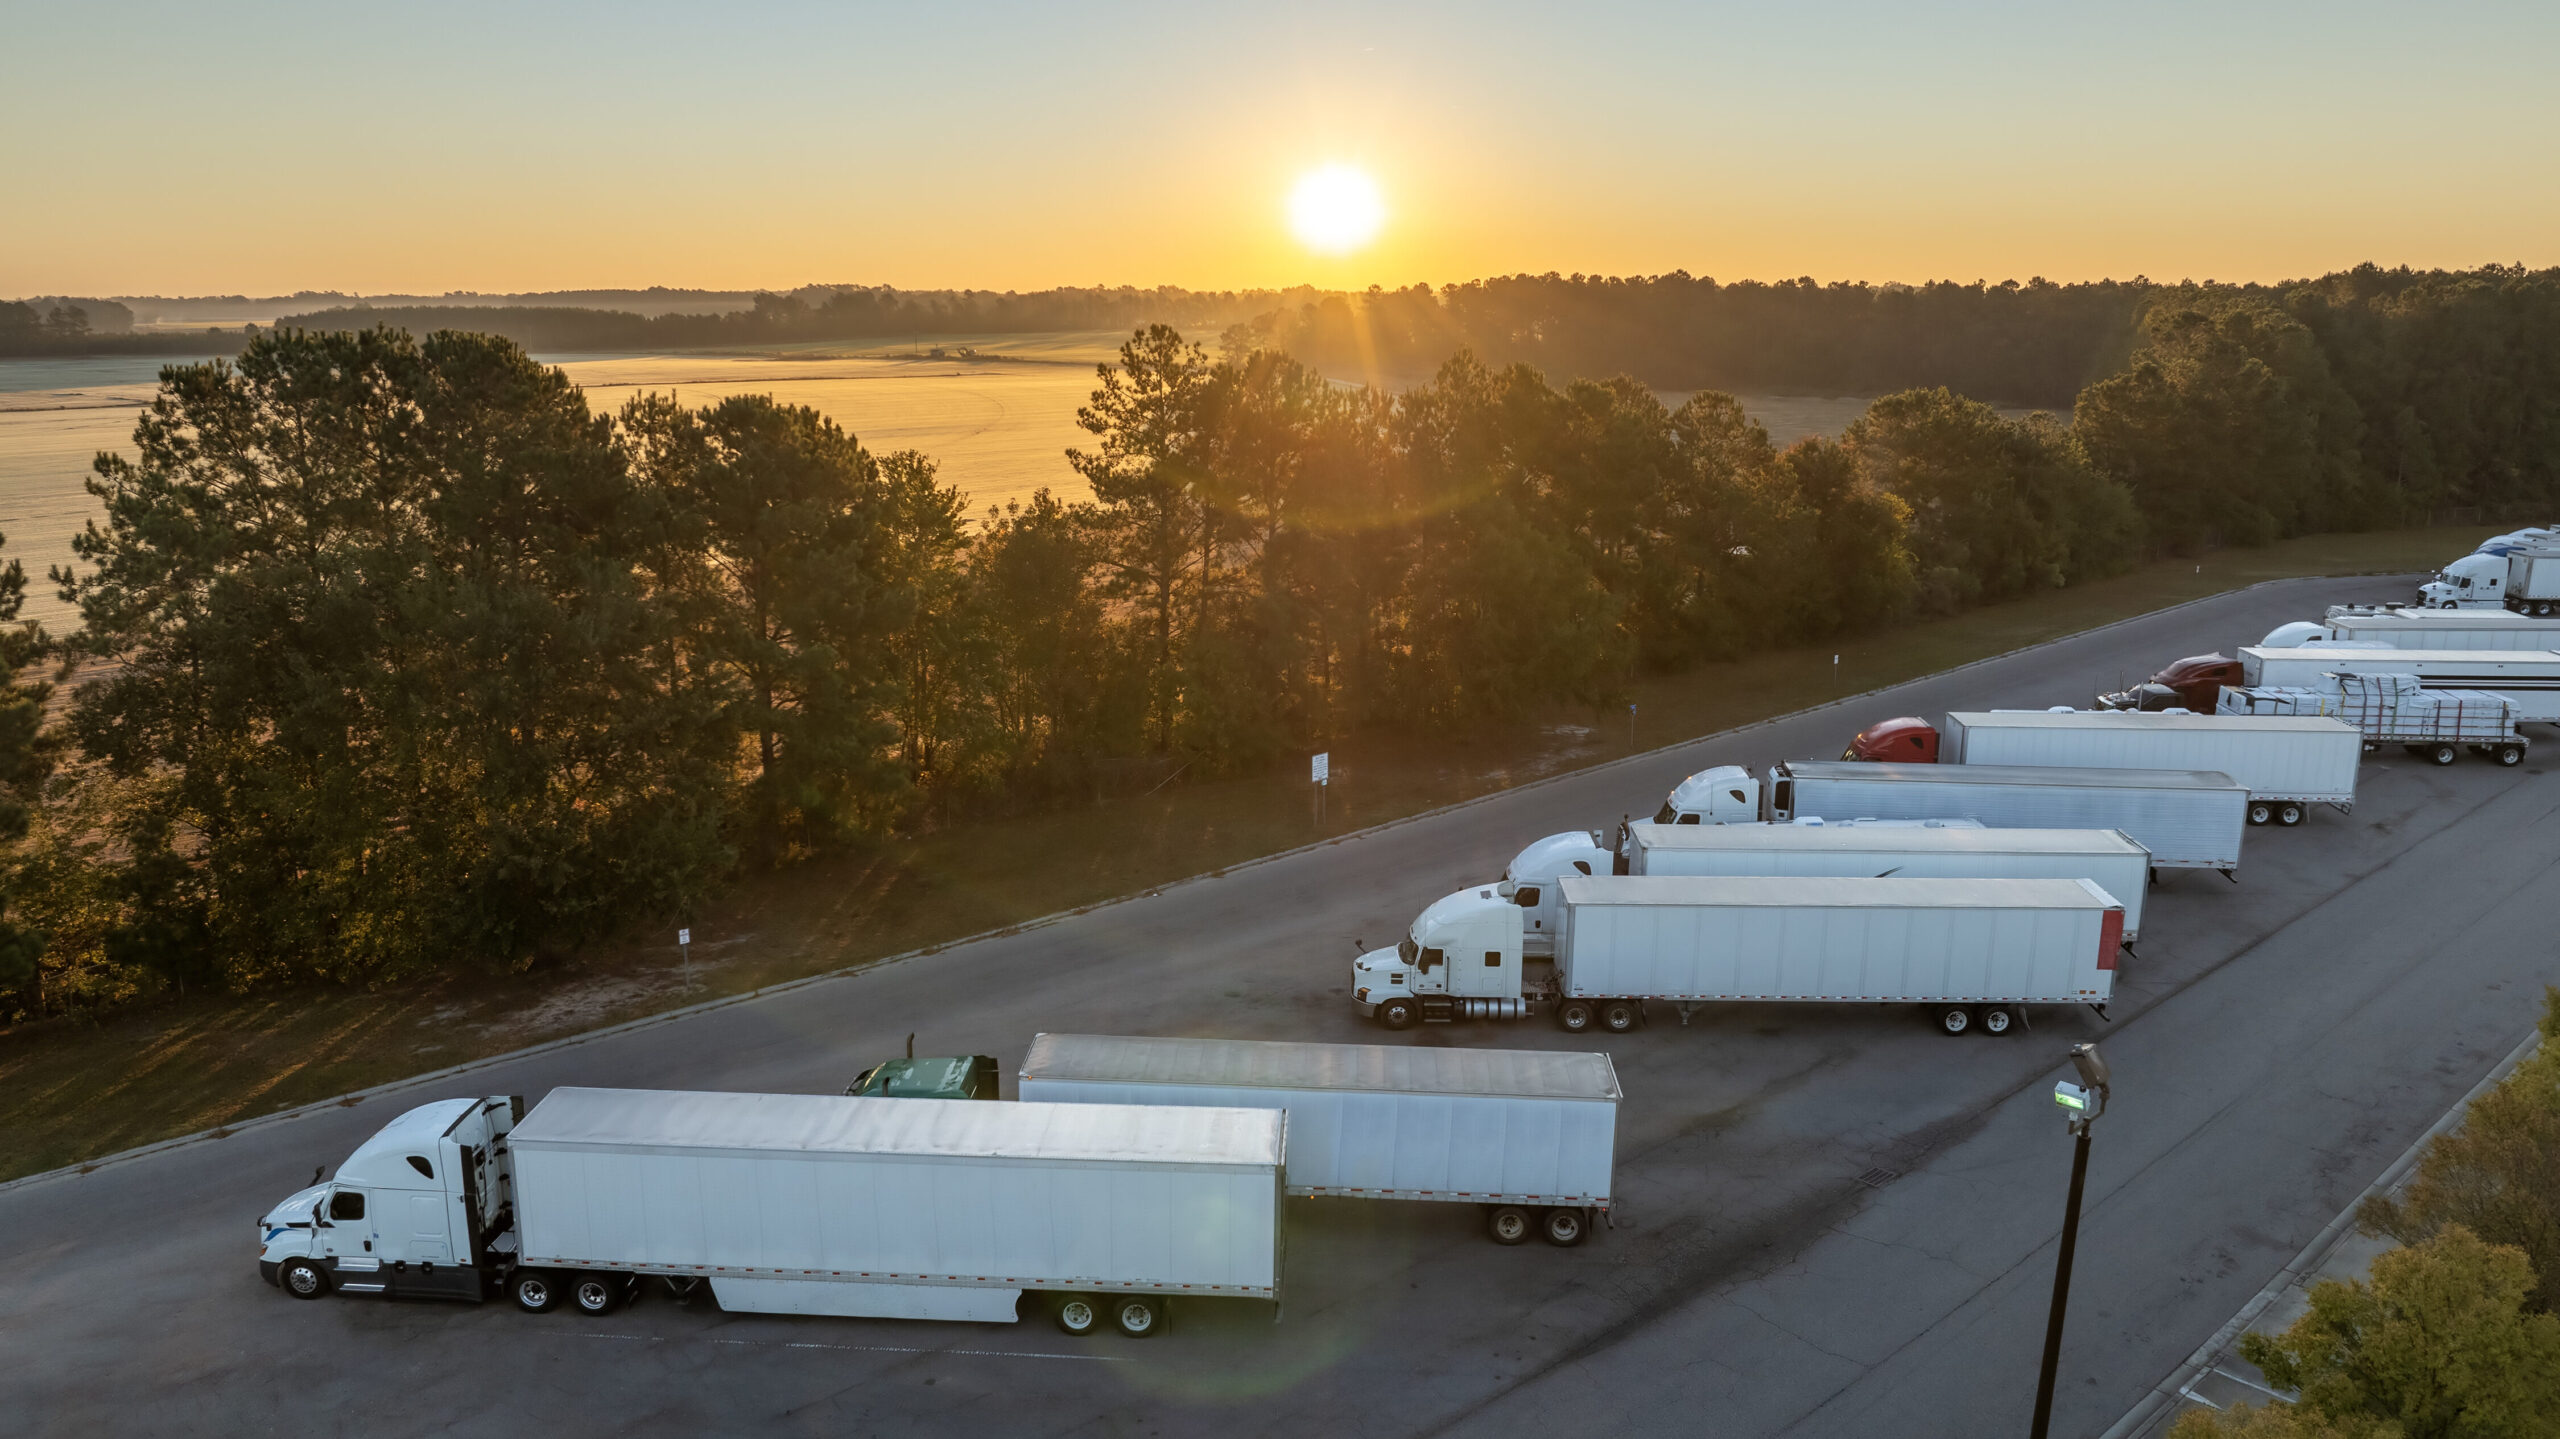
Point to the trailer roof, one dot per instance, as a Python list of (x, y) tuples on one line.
[(2447, 620), (819, 1124), (1290, 1064), (2151, 720), (1834, 893), (1882, 840), (2027, 774), (2370, 659)]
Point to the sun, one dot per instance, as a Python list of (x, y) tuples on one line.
[(1336, 209)]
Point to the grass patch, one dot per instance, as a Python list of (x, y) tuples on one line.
[(80, 1089)]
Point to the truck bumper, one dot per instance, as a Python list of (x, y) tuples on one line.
[(267, 1270), (1368, 1010)]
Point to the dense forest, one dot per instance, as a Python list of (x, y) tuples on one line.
[(414, 660)]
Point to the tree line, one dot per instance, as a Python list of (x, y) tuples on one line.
[(407, 658)]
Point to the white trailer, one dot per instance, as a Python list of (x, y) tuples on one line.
[(1529, 1134), (821, 1204), (2286, 762), (2420, 630), (2395, 709), (2108, 857), (1967, 950), (2529, 677), (2188, 819), (2533, 581)]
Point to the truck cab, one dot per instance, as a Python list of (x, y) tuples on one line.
[(1726, 794), (2476, 581), (1908, 739), (1463, 959), (1529, 881), (2194, 683), (418, 1210)]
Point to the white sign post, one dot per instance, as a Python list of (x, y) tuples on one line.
[(1320, 773), (684, 947)]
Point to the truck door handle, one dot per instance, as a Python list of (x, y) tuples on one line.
[(368, 1246)]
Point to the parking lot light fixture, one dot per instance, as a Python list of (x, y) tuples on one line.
[(2081, 1104)]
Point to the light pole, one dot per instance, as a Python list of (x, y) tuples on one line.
[(2083, 1103)]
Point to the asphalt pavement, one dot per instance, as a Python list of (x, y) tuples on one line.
[(1834, 1221)]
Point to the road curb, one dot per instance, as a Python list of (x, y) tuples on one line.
[(857, 970), (2163, 1400)]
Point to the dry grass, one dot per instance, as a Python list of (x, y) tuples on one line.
[(79, 1090)]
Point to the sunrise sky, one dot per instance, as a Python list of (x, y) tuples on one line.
[(195, 149)]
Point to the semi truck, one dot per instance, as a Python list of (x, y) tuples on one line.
[(2476, 581), (2533, 581), (2420, 630), (2394, 709), (2188, 819), (2191, 684), (1968, 951), (799, 1204), (2287, 762), (2531, 678), (2119, 866), (1530, 1135)]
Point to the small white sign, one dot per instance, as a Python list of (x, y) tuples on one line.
[(1321, 771), (684, 936)]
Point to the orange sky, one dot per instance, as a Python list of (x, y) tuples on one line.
[(189, 151)]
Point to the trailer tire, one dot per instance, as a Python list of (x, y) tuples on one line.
[(1079, 1314), (1620, 1015), (2288, 815), (1396, 1014), (302, 1279), (1954, 1018), (2260, 811), (535, 1291), (1573, 1016), (1137, 1315), (1997, 1020), (1564, 1228), (2443, 754), (2511, 754), (1508, 1224), (596, 1295)]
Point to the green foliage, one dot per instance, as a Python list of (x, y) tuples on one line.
[(2497, 1176), (2439, 1344), (2276, 1420)]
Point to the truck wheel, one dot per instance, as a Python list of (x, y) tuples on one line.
[(1079, 1314), (2260, 812), (2444, 754), (536, 1291), (1996, 1019), (1137, 1315), (2289, 815), (1955, 1019), (302, 1279), (1574, 1016), (1564, 1228), (1396, 1014), (597, 1294), (1620, 1015), (2511, 754), (1508, 1224)]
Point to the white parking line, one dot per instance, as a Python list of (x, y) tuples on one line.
[(852, 1348)]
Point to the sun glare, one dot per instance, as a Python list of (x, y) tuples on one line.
[(1336, 210)]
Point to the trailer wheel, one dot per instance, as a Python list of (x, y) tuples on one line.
[(1996, 1019), (2289, 815), (2443, 754), (1955, 1018), (536, 1291), (2511, 754), (302, 1279), (1078, 1314), (1564, 1228), (1137, 1315), (596, 1294), (1620, 1015), (1396, 1014), (1508, 1224), (2260, 811), (1574, 1015)]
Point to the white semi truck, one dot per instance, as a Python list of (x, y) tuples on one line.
[(1530, 1135), (2419, 630), (2286, 762), (1967, 950), (799, 1204), (1936, 851), (2529, 677), (2476, 581), (2187, 819)]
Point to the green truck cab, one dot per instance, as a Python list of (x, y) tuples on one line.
[(962, 1076)]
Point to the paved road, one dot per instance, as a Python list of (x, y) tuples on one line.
[(2276, 1043)]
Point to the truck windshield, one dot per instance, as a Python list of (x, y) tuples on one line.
[(1407, 949), (1666, 814)]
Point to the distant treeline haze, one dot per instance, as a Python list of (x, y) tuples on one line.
[(423, 663)]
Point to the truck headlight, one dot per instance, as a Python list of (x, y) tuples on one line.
[(1361, 994)]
